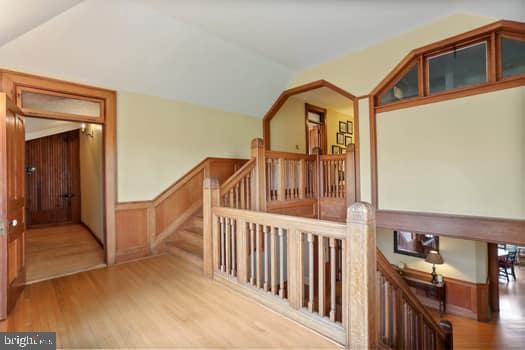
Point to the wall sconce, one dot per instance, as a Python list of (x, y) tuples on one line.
[(86, 130)]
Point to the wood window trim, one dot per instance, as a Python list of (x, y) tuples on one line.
[(499, 67), (20, 89), (322, 112), (491, 33), (11, 80), (397, 78)]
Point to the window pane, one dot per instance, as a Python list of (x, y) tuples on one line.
[(463, 67), (404, 88), (512, 57), (59, 104)]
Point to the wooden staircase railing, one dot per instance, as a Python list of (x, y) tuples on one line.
[(326, 275), (404, 323), (303, 268)]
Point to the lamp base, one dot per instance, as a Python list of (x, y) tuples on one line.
[(434, 275)]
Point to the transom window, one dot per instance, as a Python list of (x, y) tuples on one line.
[(457, 68), (460, 65)]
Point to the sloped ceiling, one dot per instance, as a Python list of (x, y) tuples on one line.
[(227, 54)]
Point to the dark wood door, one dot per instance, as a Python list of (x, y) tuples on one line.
[(53, 180), (12, 223)]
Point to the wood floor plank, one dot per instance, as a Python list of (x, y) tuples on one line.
[(161, 302), (60, 250)]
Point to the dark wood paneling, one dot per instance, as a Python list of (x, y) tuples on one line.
[(53, 189)]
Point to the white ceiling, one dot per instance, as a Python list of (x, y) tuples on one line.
[(39, 127), (235, 55)]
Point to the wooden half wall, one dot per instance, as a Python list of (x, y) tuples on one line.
[(141, 226)]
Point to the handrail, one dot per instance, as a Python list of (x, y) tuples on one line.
[(391, 331), (237, 191), (288, 155), (329, 229), (237, 177)]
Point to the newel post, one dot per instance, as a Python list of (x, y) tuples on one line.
[(211, 198), (258, 152), (360, 305), (350, 175)]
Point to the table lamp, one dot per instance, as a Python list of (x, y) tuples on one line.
[(434, 258)]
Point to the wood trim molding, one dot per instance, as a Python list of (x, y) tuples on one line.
[(11, 80), (466, 227)]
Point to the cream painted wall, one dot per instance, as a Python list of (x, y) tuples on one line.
[(92, 180), (364, 150), (360, 72), (462, 156), (332, 127), (160, 140), (287, 127), (464, 260)]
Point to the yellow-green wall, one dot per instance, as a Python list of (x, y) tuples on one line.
[(463, 156), (463, 259), (92, 180), (288, 129), (160, 140), (360, 72), (332, 127)]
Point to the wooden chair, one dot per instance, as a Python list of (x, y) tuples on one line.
[(507, 263)]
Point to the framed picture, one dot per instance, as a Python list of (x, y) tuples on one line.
[(336, 149), (343, 127), (348, 139), (349, 126), (340, 138), (415, 244)]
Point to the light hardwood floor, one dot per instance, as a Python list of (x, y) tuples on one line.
[(160, 302), (505, 331), (60, 250)]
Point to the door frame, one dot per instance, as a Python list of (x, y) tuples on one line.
[(322, 112), (11, 82)]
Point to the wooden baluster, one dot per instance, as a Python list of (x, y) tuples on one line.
[(295, 287), (259, 153), (321, 274), (233, 228), (281, 184), (336, 179), (269, 179), (228, 245), (333, 285), (252, 253), (241, 253), (223, 244), (248, 192), (243, 193), (259, 258), (302, 179), (281, 262), (231, 200), (273, 261), (266, 259), (311, 272), (237, 196)]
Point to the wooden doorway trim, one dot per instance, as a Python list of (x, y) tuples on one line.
[(322, 112), (11, 81)]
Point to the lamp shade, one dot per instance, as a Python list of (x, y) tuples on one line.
[(434, 257)]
